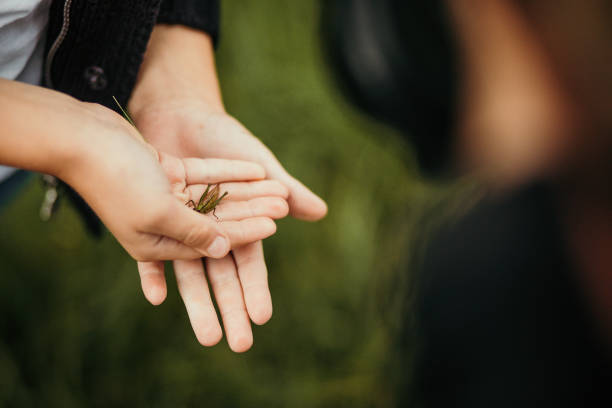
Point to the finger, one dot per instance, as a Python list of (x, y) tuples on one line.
[(253, 276), (159, 248), (234, 234), (193, 288), (189, 228), (248, 230), (272, 207), (153, 281), (241, 191), (303, 203), (209, 171), (228, 294)]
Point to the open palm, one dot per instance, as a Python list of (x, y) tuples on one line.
[(188, 128)]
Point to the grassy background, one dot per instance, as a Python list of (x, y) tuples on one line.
[(76, 331)]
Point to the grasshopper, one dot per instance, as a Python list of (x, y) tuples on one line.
[(209, 200)]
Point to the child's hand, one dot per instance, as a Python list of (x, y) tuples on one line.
[(236, 293), (240, 284), (142, 202), (177, 106), (245, 216), (106, 161), (121, 179), (189, 128)]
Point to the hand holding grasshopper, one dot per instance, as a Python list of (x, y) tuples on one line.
[(249, 199), (185, 117), (138, 193)]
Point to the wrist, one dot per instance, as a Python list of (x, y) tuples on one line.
[(178, 65), (102, 137), (41, 128)]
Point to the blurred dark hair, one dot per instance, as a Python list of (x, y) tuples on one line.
[(396, 61)]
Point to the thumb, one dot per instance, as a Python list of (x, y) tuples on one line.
[(196, 231)]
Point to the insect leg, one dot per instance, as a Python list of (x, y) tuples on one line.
[(203, 196)]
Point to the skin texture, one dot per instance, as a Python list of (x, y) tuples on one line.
[(81, 142), (178, 108)]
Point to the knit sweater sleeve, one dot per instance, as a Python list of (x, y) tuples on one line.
[(199, 14)]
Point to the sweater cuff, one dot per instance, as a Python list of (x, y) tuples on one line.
[(199, 14)]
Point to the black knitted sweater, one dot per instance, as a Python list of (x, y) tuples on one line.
[(95, 47)]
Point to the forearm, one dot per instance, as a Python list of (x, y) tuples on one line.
[(39, 128), (50, 132), (179, 62)]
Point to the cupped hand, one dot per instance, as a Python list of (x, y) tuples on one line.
[(177, 106), (238, 280), (141, 195), (125, 181), (189, 127)]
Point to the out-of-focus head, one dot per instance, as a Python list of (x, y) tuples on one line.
[(515, 88), (578, 36), (536, 86)]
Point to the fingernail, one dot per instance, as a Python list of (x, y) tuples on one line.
[(218, 248)]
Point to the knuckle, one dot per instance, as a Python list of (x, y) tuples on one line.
[(224, 283), (192, 237), (280, 207), (248, 260), (197, 235), (241, 233), (281, 188), (235, 313), (141, 254), (249, 209)]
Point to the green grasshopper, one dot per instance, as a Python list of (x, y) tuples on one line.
[(209, 200)]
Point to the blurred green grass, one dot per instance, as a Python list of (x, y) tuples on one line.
[(76, 331)]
